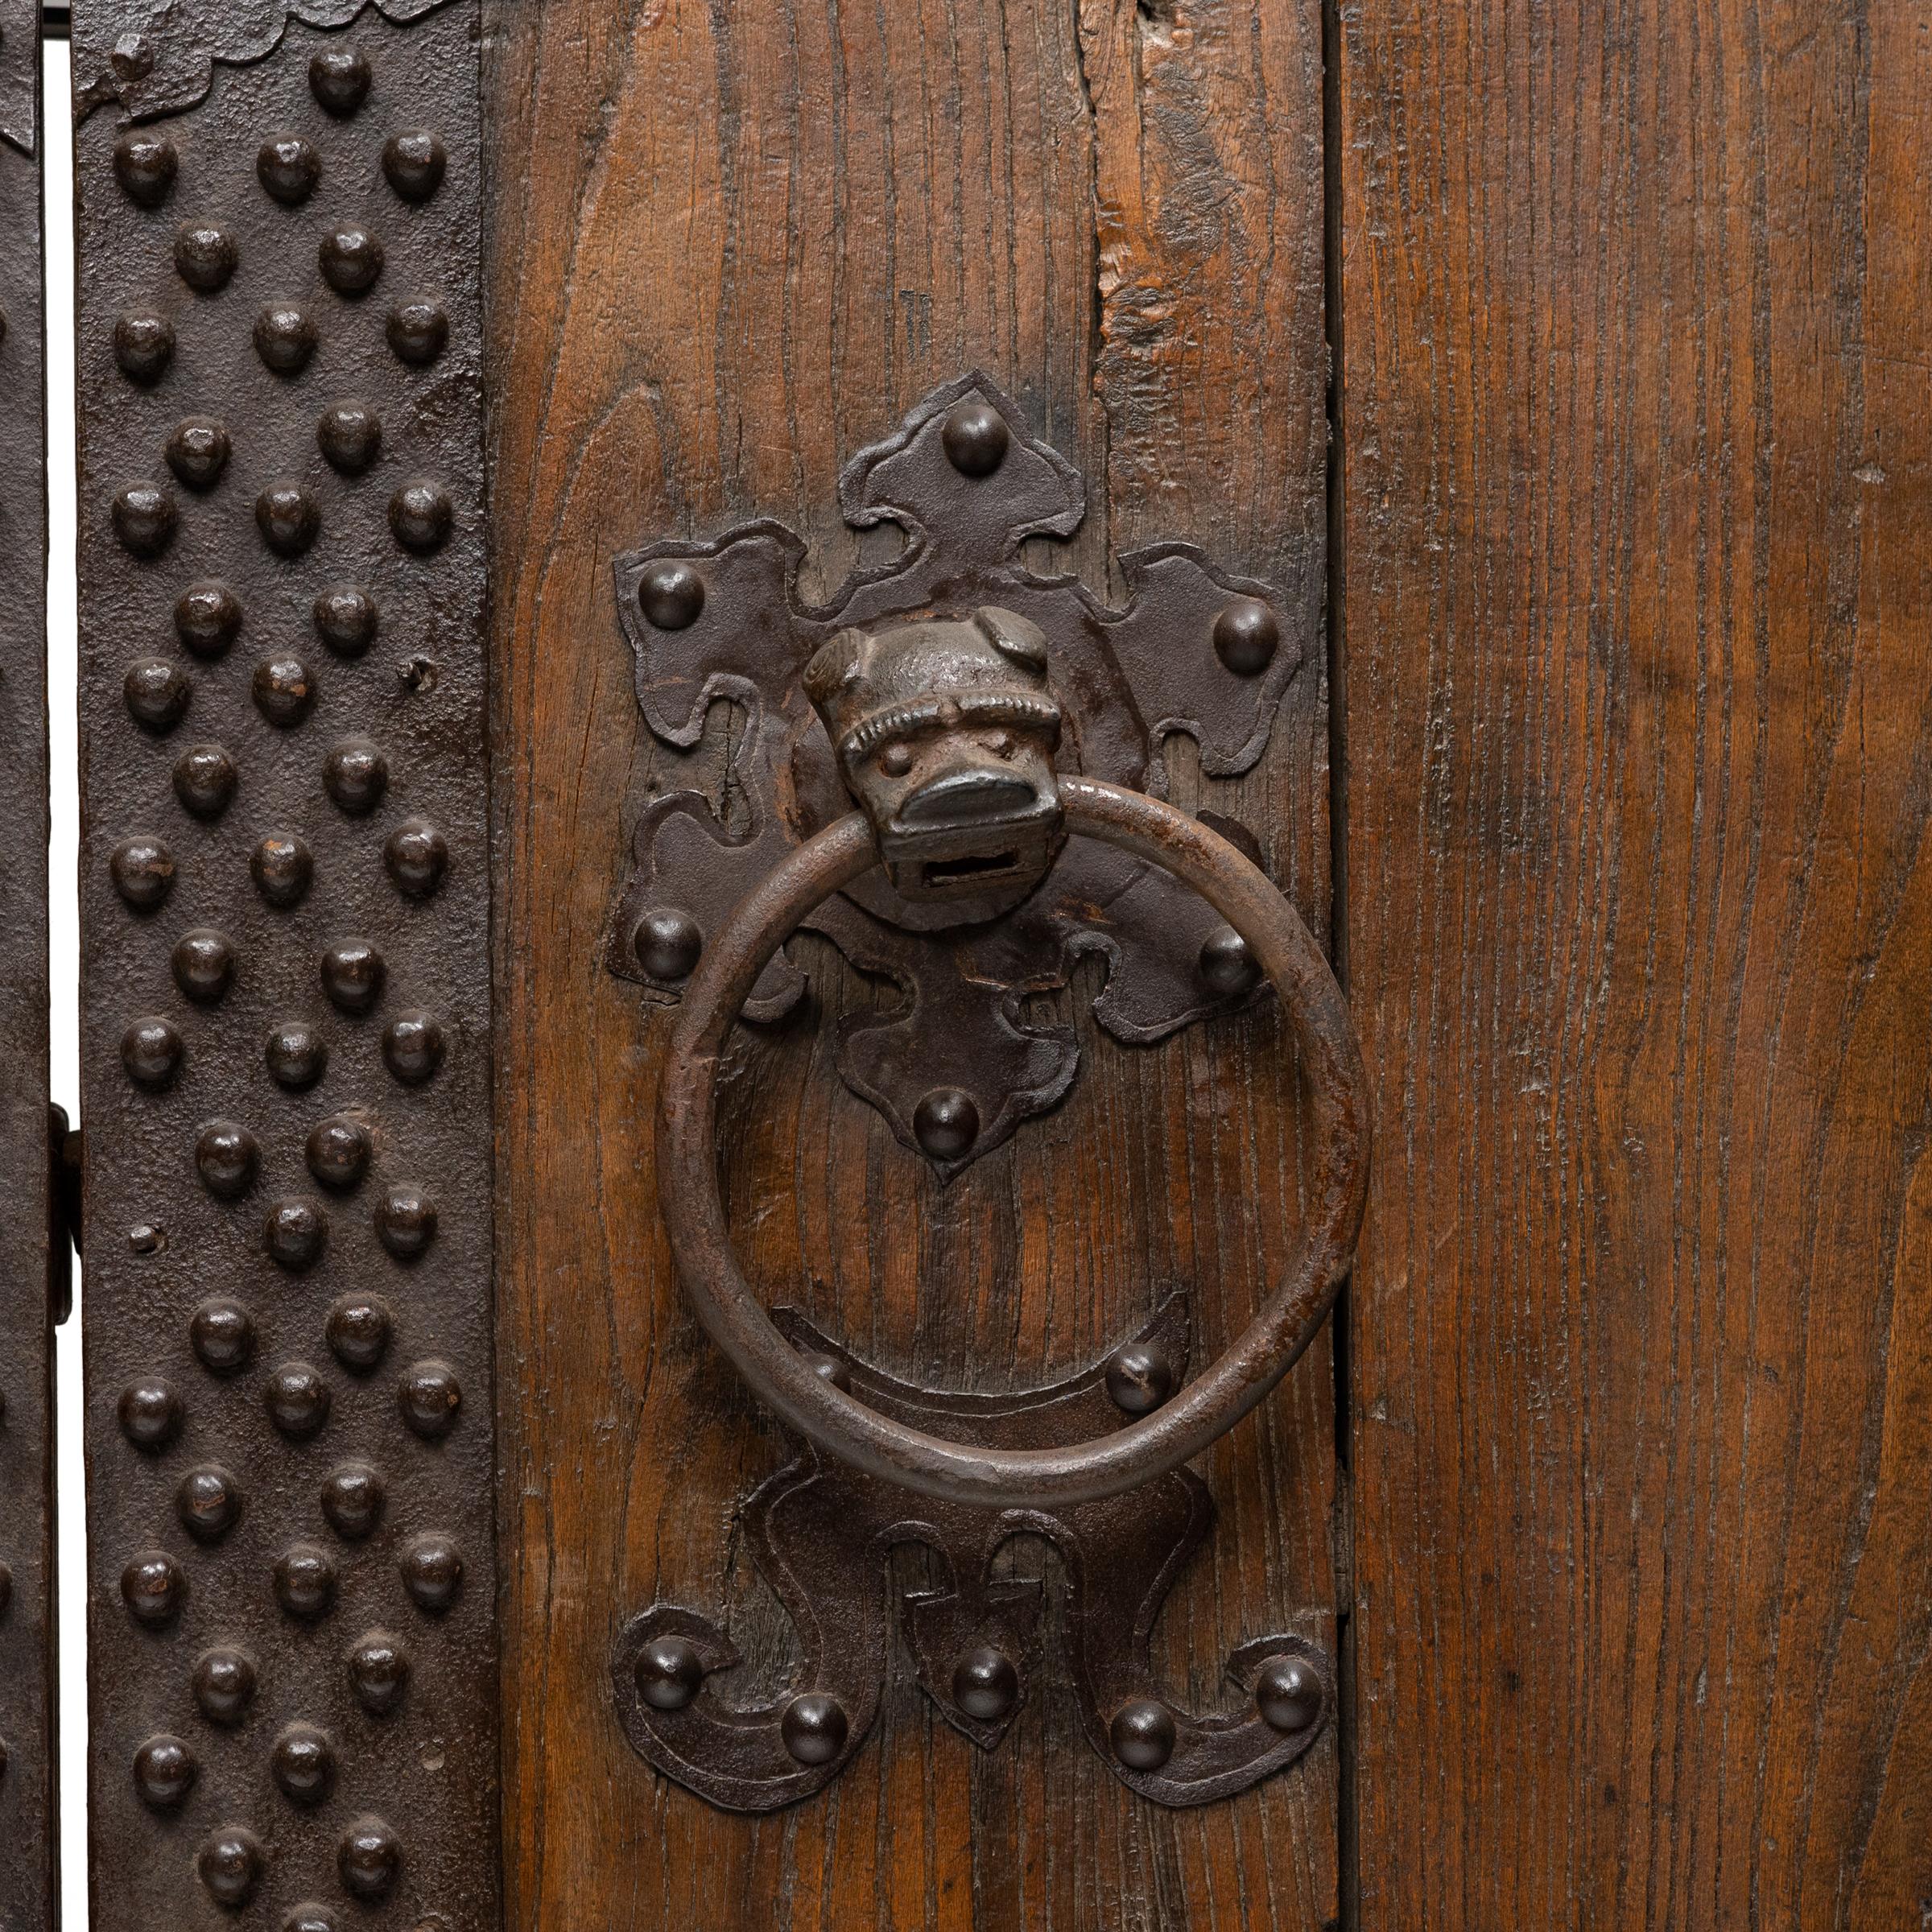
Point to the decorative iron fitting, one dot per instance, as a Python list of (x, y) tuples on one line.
[(941, 690), (946, 733)]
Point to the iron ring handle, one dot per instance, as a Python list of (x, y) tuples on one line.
[(1203, 1408)]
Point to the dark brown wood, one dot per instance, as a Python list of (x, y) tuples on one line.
[(733, 246), (27, 1809), (285, 886), (1639, 538)]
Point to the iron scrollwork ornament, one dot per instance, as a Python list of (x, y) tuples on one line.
[(982, 717), (955, 1068)]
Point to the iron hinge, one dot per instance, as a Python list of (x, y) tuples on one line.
[(63, 1210)]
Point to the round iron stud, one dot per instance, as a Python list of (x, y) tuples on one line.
[(1142, 1735), (814, 1727)]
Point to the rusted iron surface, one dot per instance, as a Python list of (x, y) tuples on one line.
[(26, 1755), (285, 930)]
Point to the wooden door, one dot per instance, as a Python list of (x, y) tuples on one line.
[(1470, 461)]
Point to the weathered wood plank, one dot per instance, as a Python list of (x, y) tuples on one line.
[(1639, 536), (736, 243)]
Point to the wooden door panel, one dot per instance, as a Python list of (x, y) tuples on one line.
[(738, 246), (1639, 926), (285, 888), (27, 1887)]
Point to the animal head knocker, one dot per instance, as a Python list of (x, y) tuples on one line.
[(945, 732)]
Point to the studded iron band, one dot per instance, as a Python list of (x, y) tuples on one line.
[(28, 1284), (285, 932), (976, 712)]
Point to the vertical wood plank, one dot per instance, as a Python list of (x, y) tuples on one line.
[(736, 243), (1639, 539)]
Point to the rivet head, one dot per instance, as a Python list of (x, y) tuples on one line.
[(285, 338), (153, 1589), (205, 779), (294, 1233), (197, 451), (349, 434), (975, 437), (231, 1865), (288, 167), (347, 619), (1141, 1375), (303, 1765), (378, 1673), (142, 869), (288, 516), (144, 1237), (1228, 963), (283, 869), (413, 1046), (309, 1917), (150, 1414), (144, 345), (203, 965), (297, 1401), (144, 518), (419, 332), (340, 1149), (355, 774), (671, 594), (150, 1051), (208, 619), (351, 259), (430, 1397), (1288, 1693), (305, 1582), (339, 78), (432, 1566), (227, 1158), (669, 1673), (165, 1771), (296, 1054), (209, 1502), (417, 856), (358, 1333), (421, 515), (353, 1498), (986, 1685), (1142, 1735), (353, 974), (222, 1333), (667, 943), (132, 59), (946, 1124), (145, 165), (157, 694), (284, 691), (814, 1727), (206, 256), (1246, 636), (414, 163), (225, 1686), (369, 1859), (405, 1221)]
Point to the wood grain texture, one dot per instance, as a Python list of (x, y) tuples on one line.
[(733, 246), (1639, 536)]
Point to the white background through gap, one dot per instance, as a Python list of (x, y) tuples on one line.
[(65, 936)]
